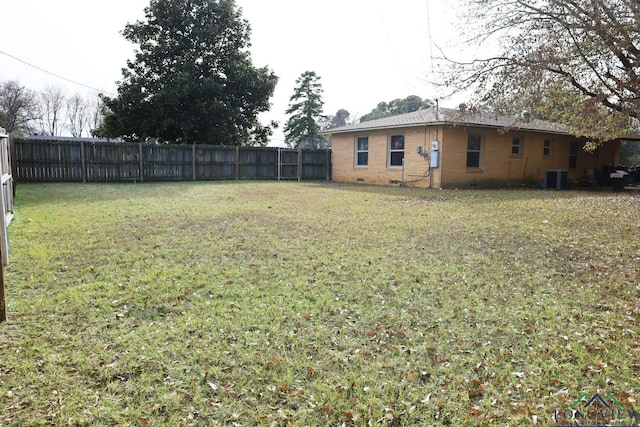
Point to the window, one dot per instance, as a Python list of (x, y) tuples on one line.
[(573, 156), (474, 151), (516, 146), (546, 151), (362, 151), (396, 150)]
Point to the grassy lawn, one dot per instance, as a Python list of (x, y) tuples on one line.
[(316, 304)]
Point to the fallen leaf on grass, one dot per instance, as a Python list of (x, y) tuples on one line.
[(473, 393), (283, 389), (474, 411)]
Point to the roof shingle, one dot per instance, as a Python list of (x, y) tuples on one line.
[(447, 116)]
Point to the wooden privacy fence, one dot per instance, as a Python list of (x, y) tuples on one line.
[(86, 160), (6, 213)]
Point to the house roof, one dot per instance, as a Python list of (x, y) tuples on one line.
[(447, 116)]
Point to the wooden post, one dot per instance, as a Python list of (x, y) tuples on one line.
[(83, 162), (3, 307), (299, 164), (279, 164), (141, 162), (194, 164), (237, 162), (14, 163), (4, 247)]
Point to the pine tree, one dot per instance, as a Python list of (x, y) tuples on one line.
[(305, 106)]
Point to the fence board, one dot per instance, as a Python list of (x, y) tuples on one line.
[(92, 161)]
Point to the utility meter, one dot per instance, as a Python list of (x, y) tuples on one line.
[(434, 159), (435, 145)]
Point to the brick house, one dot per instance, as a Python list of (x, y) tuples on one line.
[(444, 148)]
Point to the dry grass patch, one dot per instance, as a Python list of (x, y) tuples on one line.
[(316, 304)]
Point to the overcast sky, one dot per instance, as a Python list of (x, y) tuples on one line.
[(364, 51)]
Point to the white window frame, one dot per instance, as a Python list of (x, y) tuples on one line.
[(359, 151), (516, 144), (391, 150), (547, 148), (480, 152)]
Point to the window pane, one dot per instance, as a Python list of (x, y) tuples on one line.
[(473, 159), (363, 159), (573, 157), (574, 148), (474, 143), (515, 146), (363, 144), (396, 158), (397, 142), (573, 162)]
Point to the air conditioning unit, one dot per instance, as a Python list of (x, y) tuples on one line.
[(557, 179)]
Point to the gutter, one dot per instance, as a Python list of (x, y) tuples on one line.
[(453, 124)]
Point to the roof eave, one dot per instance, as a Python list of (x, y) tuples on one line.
[(370, 128), (451, 124)]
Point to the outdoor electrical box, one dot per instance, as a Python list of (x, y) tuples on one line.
[(419, 149), (435, 145), (434, 159)]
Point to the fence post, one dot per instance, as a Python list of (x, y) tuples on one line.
[(328, 165), (279, 163), (13, 151), (237, 162), (141, 162), (6, 203), (3, 305), (194, 163), (300, 164), (83, 163)]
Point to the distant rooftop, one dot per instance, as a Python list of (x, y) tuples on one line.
[(447, 116)]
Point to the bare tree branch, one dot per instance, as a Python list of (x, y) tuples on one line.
[(586, 51)]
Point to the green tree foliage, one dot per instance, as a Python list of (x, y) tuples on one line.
[(305, 107), (341, 118), (397, 106), (571, 61), (192, 79)]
